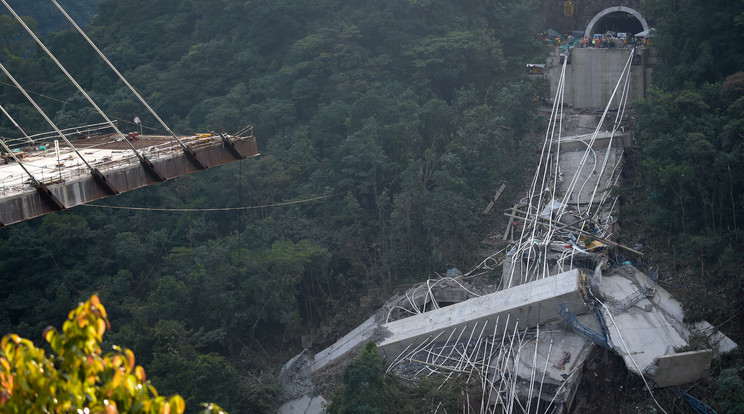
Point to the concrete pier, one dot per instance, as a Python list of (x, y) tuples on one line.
[(591, 75)]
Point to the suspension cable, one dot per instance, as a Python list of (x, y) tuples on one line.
[(74, 82), (16, 124), (123, 79), (574, 180), (46, 117), (547, 145), (618, 119)]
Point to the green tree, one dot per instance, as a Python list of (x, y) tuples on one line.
[(699, 41), (14, 41), (366, 388), (730, 392), (49, 18), (78, 375)]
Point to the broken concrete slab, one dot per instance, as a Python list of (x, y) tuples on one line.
[(664, 301), (304, 405), (530, 304), (560, 353), (295, 377), (355, 339), (642, 333), (681, 368), (652, 328)]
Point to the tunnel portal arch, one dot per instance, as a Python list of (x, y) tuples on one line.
[(628, 18)]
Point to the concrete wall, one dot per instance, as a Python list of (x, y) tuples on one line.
[(591, 75), (529, 304)]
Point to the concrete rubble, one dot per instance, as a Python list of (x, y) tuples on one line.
[(649, 333), (547, 361)]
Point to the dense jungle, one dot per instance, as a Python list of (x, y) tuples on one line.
[(385, 127)]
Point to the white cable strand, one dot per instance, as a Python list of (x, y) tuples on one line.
[(69, 76), (123, 79), (618, 118), (627, 351), (545, 371), (572, 184), (549, 135), (534, 369)]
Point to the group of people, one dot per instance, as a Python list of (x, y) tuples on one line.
[(608, 40)]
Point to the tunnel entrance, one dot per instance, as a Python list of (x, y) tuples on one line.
[(618, 22), (617, 19)]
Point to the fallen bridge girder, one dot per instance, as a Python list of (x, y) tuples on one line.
[(529, 305)]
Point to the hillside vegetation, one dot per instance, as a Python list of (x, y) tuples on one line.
[(391, 124), (400, 119), (47, 15), (685, 194)]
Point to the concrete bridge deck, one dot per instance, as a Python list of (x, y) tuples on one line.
[(69, 180)]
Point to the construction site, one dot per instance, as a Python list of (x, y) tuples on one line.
[(522, 324)]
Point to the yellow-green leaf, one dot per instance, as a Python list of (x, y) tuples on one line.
[(139, 372), (131, 384), (178, 404), (130, 359)]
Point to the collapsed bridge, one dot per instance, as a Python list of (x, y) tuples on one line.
[(563, 288)]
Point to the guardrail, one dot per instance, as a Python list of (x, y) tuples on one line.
[(70, 167)]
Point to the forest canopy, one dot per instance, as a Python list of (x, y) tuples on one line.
[(400, 118), (391, 123)]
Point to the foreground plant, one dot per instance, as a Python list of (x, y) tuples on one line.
[(77, 376)]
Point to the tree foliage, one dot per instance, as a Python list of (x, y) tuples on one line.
[(366, 387), (385, 127), (77, 375), (685, 183), (730, 393), (49, 18)]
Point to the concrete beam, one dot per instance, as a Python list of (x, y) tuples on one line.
[(529, 304), (602, 140)]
